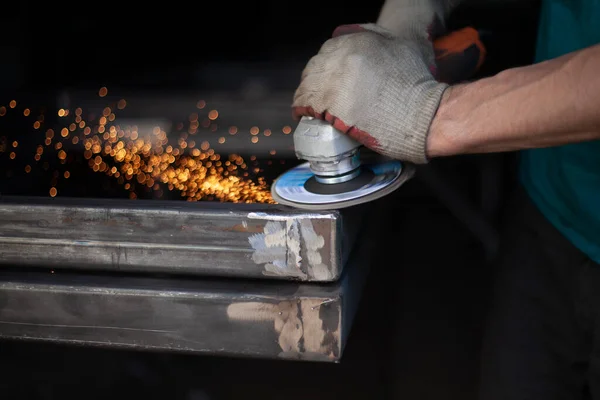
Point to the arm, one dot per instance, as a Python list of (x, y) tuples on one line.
[(552, 103)]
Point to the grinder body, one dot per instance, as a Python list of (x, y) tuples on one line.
[(332, 175), (333, 156)]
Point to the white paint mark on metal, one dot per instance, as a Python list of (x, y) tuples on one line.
[(298, 323), (313, 243), (278, 249), (274, 235), (290, 247)]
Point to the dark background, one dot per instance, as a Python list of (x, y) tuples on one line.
[(423, 344), (165, 45)]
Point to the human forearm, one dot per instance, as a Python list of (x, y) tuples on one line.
[(547, 104)]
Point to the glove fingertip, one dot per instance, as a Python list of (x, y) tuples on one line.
[(295, 116), (303, 111)]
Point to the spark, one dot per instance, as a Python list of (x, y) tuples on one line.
[(153, 159)]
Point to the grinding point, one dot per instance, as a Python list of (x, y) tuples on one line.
[(298, 188)]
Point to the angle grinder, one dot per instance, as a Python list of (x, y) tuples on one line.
[(333, 176)]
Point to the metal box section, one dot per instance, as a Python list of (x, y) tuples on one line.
[(259, 319), (202, 238)]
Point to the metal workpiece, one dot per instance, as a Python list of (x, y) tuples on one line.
[(257, 319), (201, 238)]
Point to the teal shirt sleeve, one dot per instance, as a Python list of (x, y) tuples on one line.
[(564, 181)]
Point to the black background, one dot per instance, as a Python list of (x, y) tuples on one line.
[(162, 44)]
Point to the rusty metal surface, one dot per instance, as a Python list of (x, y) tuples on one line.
[(217, 239), (259, 319)]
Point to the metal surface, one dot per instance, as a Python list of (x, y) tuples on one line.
[(284, 320), (328, 151), (216, 239), (290, 188)]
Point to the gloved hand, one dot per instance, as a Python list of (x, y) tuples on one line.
[(376, 86)]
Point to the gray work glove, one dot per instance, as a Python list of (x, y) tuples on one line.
[(376, 86)]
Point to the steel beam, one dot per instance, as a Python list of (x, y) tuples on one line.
[(202, 238), (258, 319)]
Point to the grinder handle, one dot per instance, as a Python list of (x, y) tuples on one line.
[(458, 55)]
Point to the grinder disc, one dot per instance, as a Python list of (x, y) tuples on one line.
[(299, 188)]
